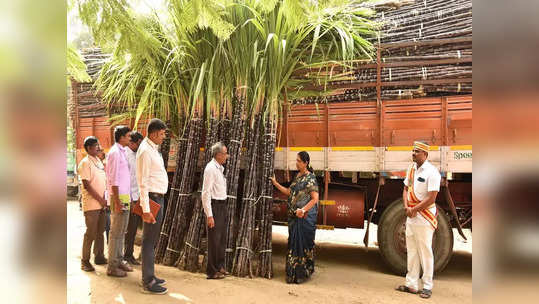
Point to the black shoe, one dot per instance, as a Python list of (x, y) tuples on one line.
[(425, 293), (159, 281), (101, 260), (154, 288), (86, 266), (131, 260)]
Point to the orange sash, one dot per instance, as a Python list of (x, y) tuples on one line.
[(414, 201)]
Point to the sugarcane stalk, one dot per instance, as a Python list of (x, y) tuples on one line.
[(189, 257), (244, 249), (173, 196), (184, 206), (237, 134)]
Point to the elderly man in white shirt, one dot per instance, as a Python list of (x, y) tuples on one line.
[(135, 138), (214, 203), (421, 187), (152, 180)]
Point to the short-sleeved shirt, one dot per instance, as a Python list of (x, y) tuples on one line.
[(427, 179), (91, 169)]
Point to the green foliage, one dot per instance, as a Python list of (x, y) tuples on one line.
[(193, 61), (75, 66)]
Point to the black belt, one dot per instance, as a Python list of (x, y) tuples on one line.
[(214, 201), (156, 194)]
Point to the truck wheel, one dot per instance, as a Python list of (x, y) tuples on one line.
[(392, 239)]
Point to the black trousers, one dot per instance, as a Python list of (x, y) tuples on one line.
[(217, 238), (131, 233), (150, 235)]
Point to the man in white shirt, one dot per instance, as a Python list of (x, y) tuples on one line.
[(135, 138), (152, 180), (214, 204), (421, 187)]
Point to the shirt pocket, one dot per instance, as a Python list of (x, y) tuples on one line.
[(420, 183)]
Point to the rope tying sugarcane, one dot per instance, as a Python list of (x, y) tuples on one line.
[(244, 248), (187, 243), (229, 250), (176, 251), (256, 201), (164, 233), (231, 196), (262, 251)]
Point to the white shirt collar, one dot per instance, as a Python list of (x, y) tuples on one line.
[(151, 143), (424, 166), (219, 166)]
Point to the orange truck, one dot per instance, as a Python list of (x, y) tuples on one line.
[(360, 152), (361, 149)]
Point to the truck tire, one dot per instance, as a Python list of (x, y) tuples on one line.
[(392, 239)]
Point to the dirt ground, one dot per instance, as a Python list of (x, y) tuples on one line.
[(345, 273)]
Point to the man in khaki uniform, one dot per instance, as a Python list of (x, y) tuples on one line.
[(92, 174)]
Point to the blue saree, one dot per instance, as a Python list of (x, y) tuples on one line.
[(301, 231)]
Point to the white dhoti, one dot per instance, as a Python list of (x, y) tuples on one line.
[(419, 247)]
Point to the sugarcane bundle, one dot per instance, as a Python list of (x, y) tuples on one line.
[(398, 92), (164, 148), (243, 257), (181, 220), (425, 20), (265, 265), (428, 20), (385, 5), (190, 253), (174, 192), (94, 60), (417, 73), (224, 125), (237, 134)]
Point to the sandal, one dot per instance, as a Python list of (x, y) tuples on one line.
[(405, 288), (425, 293), (223, 271), (216, 276)]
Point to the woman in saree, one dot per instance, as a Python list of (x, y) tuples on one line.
[(302, 215)]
